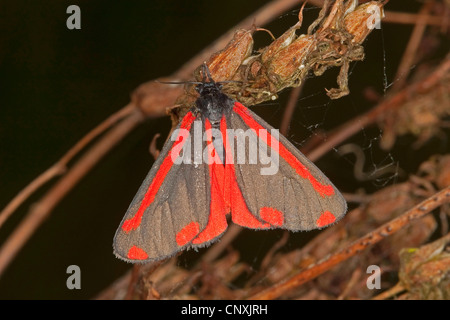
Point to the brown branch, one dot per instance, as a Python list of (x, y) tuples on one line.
[(232, 232), (60, 167), (357, 246), (398, 288), (413, 44), (290, 109), (40, 211), (411, 18)]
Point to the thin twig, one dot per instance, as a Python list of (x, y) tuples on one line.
[(411, 18), (356, 274), (216, 249), (60, 167), (411, 49), (390, 292), (290, 108), (41, 210)]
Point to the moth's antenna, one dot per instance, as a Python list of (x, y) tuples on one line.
[(179, 82), (206, 73), (207, 78)]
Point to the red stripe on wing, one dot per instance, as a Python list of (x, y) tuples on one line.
[(217, 222), (323, 190), (240, 214), (135, 221)]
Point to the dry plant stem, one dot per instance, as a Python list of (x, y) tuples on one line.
[(352, 282), (413, 44), (135, 271), (153, 149), (353, 126), (217, 248), (116, 289), (390, 292), (60, 167), (290, 108), (260, 17), (42, 209), (278, 245), (357, 246), (411, 18)]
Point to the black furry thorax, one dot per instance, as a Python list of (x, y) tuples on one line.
[(212, 102)]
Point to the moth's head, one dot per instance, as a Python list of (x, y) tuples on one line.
[(208, 85), (208, 88), (212, 102)]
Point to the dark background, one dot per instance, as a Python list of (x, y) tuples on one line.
[(57, 84)]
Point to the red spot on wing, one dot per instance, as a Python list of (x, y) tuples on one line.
[(136, 253), (301, 170), (325, 219), (272, 216), (135, 221), (186, 234)]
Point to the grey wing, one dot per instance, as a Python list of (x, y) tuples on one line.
[(288, 183), (171, 207)]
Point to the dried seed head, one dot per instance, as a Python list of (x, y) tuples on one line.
[(224, 63), (284, 40), (363, 20), (290, 61)]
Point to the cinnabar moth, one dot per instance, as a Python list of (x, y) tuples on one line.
[(201, 176)]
